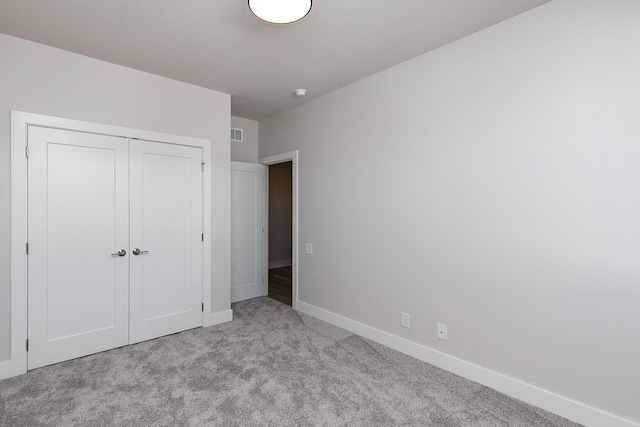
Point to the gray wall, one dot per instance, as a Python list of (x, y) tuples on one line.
[(492, 185), (39, 79), (247, 150)]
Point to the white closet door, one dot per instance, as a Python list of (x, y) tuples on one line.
[(247, 232), (78, 218), (166, 226)]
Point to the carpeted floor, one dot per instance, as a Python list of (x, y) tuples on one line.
[(271, 366)]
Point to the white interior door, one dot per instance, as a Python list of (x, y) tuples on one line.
[(247, 230), (77, 221), (166, 226)]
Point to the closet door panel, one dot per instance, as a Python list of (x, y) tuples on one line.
[(78, 221), (166, 227), (247, 231)]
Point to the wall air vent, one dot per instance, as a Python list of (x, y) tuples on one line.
[(236, 135)]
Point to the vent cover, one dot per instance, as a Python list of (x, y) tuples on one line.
[(236, 135)]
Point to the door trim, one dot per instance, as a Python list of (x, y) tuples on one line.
[(20, 121), (290, 156)]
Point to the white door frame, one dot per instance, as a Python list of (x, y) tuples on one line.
[(290, 156), (20, 121)]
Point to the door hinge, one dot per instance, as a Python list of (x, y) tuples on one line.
[(27, 344), (26, 151), (203, 307), (27, 247), (203, 237), (202, 167)]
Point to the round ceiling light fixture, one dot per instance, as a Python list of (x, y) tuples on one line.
[(280, 11)]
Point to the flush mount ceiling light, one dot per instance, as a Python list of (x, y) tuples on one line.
[(280, 11)]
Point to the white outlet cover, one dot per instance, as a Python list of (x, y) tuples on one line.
[(442, 332), (405, 320)]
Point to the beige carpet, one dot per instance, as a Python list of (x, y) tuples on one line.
[(269, 367)]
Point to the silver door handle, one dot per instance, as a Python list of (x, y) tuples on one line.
[(137, 251), (121, 252)]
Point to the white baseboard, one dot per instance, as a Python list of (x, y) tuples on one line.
[(280, 263), (5, 369), (219, 317), (547, 400)]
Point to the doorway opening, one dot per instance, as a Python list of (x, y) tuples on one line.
[(280, 205), (290, 157)]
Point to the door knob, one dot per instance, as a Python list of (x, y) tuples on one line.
[(137, 251), (121, 252)]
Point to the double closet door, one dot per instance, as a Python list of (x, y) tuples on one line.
[(115, 247)]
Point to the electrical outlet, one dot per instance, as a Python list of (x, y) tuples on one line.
[(405, 320), (308, 248), (442, 331)]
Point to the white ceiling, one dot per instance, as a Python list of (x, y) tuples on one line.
[(220, 45)]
